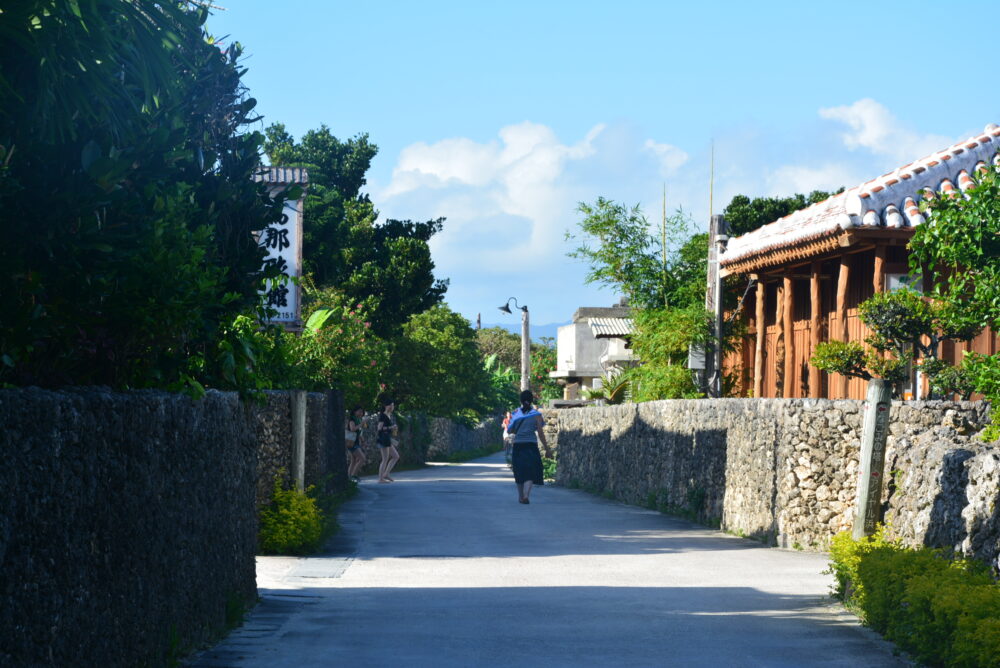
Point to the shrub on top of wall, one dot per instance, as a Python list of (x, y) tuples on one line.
[(943, 610)]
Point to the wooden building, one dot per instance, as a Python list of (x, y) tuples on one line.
[(812, 268)]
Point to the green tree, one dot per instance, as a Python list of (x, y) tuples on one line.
[(958, 252), (502, 343), (337, 349), (746, 215), (616, 242), (387, 266), (544, 360), (664, 276), (661, 341), (127, 196), (436, 367), (906, 326)]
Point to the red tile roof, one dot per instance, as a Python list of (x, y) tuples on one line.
[(887, 201)]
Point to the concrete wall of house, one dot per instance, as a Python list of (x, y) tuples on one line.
[(127, 524), (785, 470), (578, 353)]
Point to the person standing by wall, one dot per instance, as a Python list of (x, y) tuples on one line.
[(386, 436), (353, 441), (508, 439), (526, 426)]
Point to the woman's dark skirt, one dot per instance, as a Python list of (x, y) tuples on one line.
[(527, 463)]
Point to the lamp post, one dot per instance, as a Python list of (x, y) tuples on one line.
[(525, 341)]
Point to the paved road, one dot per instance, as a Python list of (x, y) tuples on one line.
[(444, 568)]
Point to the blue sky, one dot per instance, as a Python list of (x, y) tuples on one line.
[(501, 118)]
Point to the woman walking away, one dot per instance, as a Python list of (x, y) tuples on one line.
[(526, 426), (387, 442), (353, 436)]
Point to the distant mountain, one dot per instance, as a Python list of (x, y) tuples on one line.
[(538, 332)]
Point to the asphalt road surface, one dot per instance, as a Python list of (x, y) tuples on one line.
[(445, 568)]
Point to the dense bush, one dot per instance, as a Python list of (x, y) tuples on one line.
[(945, 611), (661, 340), (127, 199), (436, 368), (292, 523), (337, 349)]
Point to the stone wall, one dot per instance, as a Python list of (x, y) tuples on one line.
[(127, 524), (423, 438), (325, 464), (785, 470), (448, 437)]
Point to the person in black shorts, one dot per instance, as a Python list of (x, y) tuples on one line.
[(386, 437), (526, 426), (352, 434)]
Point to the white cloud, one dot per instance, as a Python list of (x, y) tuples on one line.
[(789, 179), (519, 178), (874, 128), (670, 157), (509, 200)]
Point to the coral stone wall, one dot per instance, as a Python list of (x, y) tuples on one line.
[(326, 462), (786, 470), (448, 437), (127, 524)]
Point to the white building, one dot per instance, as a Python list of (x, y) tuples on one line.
[(593, 346)]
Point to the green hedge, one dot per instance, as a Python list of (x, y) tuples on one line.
[(943, 610)]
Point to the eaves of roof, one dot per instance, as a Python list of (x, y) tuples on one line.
[(888, 202), (610, 328)]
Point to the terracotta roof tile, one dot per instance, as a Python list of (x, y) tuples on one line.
[(878, 202)]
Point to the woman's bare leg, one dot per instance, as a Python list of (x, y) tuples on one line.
[(357, 461), (393, 458), (527, 488), (383, 466)]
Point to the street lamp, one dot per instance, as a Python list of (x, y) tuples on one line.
[(525, 341)]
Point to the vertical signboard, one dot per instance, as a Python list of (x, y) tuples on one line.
[(282, 242)]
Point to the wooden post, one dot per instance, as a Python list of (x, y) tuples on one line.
[(843, 278), (878, 280), (778, 364), (788, 389), (758, 360), (299, 438), (874, 430), (815, 304)]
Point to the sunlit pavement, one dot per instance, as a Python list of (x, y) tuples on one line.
[(445, 568)]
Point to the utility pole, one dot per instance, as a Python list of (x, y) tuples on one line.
[(718, 237)]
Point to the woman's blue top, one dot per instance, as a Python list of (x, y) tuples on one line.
[(522, 425)]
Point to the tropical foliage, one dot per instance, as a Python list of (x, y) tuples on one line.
[(386, 266), (959, 249), (956, 253), (663, 276), (128, 201), (746, 215), (907, 326)]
